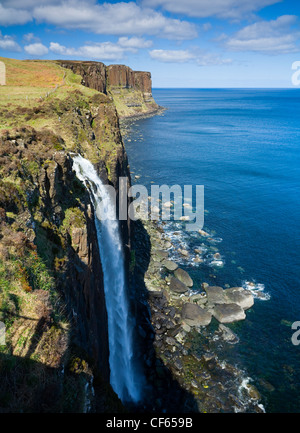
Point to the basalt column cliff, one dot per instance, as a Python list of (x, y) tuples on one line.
[(131, 90)]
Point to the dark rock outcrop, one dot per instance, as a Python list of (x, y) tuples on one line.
[(120, 76), (98, 76), (143, 82), (93, 73)]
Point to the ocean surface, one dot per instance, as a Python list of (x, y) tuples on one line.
[(244, 147)]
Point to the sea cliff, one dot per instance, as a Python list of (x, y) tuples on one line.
[(130, 90), (52, 298)]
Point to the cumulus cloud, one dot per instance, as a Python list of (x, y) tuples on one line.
[(184, 56), (10, 16), (103, 50), (7, 43), (231, 9), (99, 51), (117, 19), (134, 43), (102, 18), (36, 49), (172, 56), (270, 37), (30, 37)]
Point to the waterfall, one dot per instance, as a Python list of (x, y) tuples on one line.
[(120, 325)]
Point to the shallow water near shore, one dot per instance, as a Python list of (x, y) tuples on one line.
[(243, 146)]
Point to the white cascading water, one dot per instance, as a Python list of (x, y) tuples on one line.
[(122, 372)]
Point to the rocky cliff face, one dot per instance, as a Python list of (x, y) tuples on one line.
[(130, 90), (143, 82), (51, 283), (93, 73), (52, 236), (123, 76)]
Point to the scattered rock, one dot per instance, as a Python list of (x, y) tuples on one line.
[(170, 265), (215, 295), (227, 313), (184, 277), (194, 384), (198, 251), (205, 375), (160, 254), (177, 286), (186, 327), (171, 341), (197, 260), (208, 356), (253, 392), (199, 298), (227, 334), (194, 315), (240, 296), (183, 252), (178, 364)]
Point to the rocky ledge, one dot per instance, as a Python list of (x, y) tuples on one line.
[(188, 330)]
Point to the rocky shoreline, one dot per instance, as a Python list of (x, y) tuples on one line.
[(137, 116), (187, 326)]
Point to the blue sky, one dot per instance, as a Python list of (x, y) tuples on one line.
[(183, 43)]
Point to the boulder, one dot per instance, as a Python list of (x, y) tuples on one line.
[(184, 277), (240, 296), (194, 315), (228, 313), (215, 295), (177, 286), (227, 334), (167, 244), (184, 253), (160, 255), (170, 265)]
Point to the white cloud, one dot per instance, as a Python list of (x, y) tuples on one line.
[(134, 42), (27, 4), (103, 50), (30, 37), (7, 43), (172, 56), (231, 9), (271, 37), (10, 16), (100, 51), (116, 19), (184, 56), (206, 27), (36, 49)]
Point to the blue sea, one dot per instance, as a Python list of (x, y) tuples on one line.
[(244, 147)]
